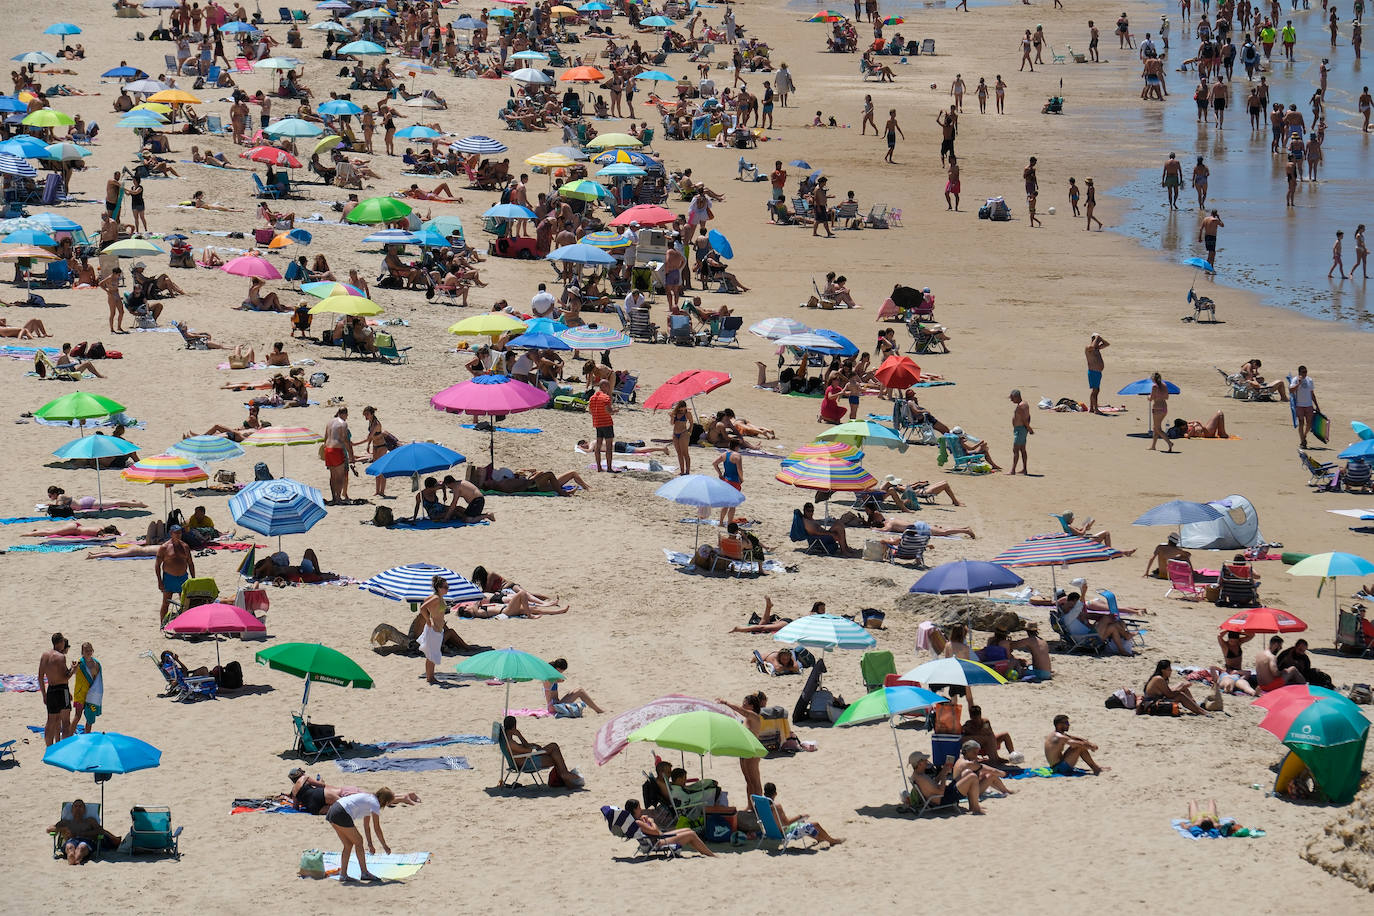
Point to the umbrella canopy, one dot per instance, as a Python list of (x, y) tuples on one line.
[(614, 141), (531, 76), (272, 156), (361, 47), (964, 577), (47, 117), (236, 27), (825, 472), (621, 170), (346, 305), (1362, 449), (509, 665), (79, 405), (417, 132), (684, 386), (1145, 386), (577, 253), (583, 189), (583, 75), (537, 340), (618, 155), (701, 732), (204, 448), (1055, 551), (490, 394), (1178, 512), (133, 248), (227, 619), (392, 237), (1332, 564), (861, 432), (102, 752), (1316, 721), (606, 239), (508, 211), (611, 737), (142, 120), (327, 290), (835, 449), (283, 436), (468, 24), (488, 324), (960, 672), (279, 63), (414, 583), (166, 470), (810, 341), (658, 22), (251, 265), (25, 146), (330, 25), (445, 225), (314, 662), (65, 152), (379, 210), (62, 28), (898, 371), (27, 253), (700, 491), (657, 76), (123, 73), (293, 127), (90, 448), (415, 458), (146, 86), (551, 160), (645, 215), (592, 337), (478, 143), (777, 328), (174, 97), (721, 246), (529, 55), (37, 237), (1262, 620), (11, 164), (545, 326), (826, 631), (888, 702), (277, 507), (1199, 263), (336, 107)]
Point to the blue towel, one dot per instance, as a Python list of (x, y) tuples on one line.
[(38, 729), (1041, 772), (524, 431), (432, 742), (50, 548), (403, 764), (27, 518), (425, 524)]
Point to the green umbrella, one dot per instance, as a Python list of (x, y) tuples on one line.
[(582, 189), (314, 662), (509, 665), (863, 432), (701, 732), (379, 210), (886, 703), (47, 117), (78, 405)]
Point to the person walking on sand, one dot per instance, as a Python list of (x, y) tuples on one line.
[(1207, 234), (868, 118), (110, 284), (1026, 46), (1093, 352), (1093, 36), (53, 674), (1020, 430), (431, 640), (957, 89), (952, 184), (1159, 407), (1200, 175), (1289, 37), (999, 91), (730, 467), (1172, 179), (1089, 205), (1218, 95), (1073, 197), (1336, 263), (982, 92), (892, 129), (1361, 253), (1032, 183), (1303, 393)]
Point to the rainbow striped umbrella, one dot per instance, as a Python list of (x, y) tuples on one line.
[(1055, 551), (283, 436), (325, 290), (826, 472), (167, 470), (833, 449), (207, 448), (606, 240)]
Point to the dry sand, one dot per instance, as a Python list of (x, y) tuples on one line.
[(1020, 305)]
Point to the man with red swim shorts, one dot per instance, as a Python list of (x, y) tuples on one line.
[(338, 456)]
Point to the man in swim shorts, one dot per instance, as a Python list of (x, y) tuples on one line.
[(83, 833), (1020, 430), (1063, 750), (173, 566), (1172, 179), (1207, 233), (338, 457), (53, 674), (1093, 352)]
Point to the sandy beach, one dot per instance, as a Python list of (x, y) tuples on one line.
[(1019, 304)]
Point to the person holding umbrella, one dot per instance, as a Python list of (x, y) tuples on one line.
[(343, 816)]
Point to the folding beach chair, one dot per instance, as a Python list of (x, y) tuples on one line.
[(242, 65), (44, 366), (271, 192), (912, 547), (92, 810), (772, 831), (951, 447), (625, 392), (680, 330), (214, 124), (728, 332), (152, 830), (825, 543), (875, 668), (1324, 476), (927, 805), (514, 766), (312, 745), (1181, 580), (928, 46), (877, 217), (387, 349), (621, 824), (284, 14), (1075, 642), (1133, 625), (169, 61)]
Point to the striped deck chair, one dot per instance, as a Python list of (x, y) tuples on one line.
[(624, 826)]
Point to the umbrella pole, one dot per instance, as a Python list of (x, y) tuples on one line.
[(507, 711), (901, 764), (305, 698), (217, 659), (99, 496)]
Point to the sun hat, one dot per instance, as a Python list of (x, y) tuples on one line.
[(957, 431), (893, 479)]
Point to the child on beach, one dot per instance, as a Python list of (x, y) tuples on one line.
[(1073, 196)]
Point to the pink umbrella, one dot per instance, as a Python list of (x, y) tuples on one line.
[(610, 738), (215, 619), (490, 395), (251, 265), (645, 215)]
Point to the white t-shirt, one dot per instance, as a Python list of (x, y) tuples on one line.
[(543, 303), (360, 805), (523, 364), (633, 300), (1301, 391)]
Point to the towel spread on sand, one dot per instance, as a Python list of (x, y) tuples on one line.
[(262, 806), (19, 683), (744, 567), (25, 519), (526, 713), (1197, 833), (521, 430), (403, 764), (431, 742), (1041, 773), (49, 548), (394, 866), (38, 729), (425, 524)]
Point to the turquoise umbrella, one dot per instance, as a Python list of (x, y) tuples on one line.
[(656, 75), (207, 448), (93, 449), (417, 132), (293, 127), (509, 665), (102, 754), (362, 47)]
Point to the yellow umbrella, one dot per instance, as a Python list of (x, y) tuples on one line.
[(564, 11), (490, 324), (159, 107), (551, 161), (174, 97), (346, 305), (615, 141), (26, 97), (326, 144)]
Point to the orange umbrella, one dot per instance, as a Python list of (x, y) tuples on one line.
[(582, 75), (898, 372)]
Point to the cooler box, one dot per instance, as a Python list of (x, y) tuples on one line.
[(943, 747)]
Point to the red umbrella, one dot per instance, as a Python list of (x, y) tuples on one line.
[(1263, 620), (272, 156), (684, 386), (645, 215), (1293, 693), (898, 372)]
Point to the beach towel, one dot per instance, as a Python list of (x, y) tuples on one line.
[(17, 352), (527, 713), (1041, 773), (279, 406), (1197, 833), (155, 330), (38, 729), (524, 431), (403, 764), (19, 683), (394, 866), (626, 465), (262, 806), (743, 567), (48, 548), (432, 742), (748, 523), (29, 519), (425, 524), (92, 423)]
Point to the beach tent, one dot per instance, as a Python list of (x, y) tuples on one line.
[(1237, 529)]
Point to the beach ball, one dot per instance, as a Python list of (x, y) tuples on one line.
[(1051, 211)]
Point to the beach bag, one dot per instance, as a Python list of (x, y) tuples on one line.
[(383, 517), (312, 864), (804, 657), (1158, 706), (226, 477), (998, 211), (231, 676), (260, 471), (821, 701), (176, 518), (96, 351), (317, 380), (1121, 699), (718, 829)]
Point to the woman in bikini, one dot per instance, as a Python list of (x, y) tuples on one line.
[(1159, 407), (72, 529), (379, 441), (1214, 428), (749, 766), (1157, 688), (58, 497), (681, 418)]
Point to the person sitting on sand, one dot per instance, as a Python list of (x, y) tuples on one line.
[(278, 356), (685, 836), (31, 329), (563, 706), (79, 834), (1214, 428), (1041, 665), (974, 446), (1157, 690), (1269, 675), (910, 496), (836, 290), (971, 761), (313, 796), (833, 529), (210, 158), (798, 825), (278, 566), (65, 362), (980, 730), (942, 787), (1085, 531), (263, 302), (1169, 550), (541, 756), (877, 520), (72, 529), (1064, 751)]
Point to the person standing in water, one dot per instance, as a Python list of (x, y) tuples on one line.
[(1336, 263), (1172, 179), (1207, 234), (1200, 176), (1361, 253)]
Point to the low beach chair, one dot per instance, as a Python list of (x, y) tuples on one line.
[(927, 805), (152, 830), (1181, 580), (950, 444), (7, 752), (626, 391), (825, 543), (680, 330), (1075, 642), (1237, 587), (928, 46), (621, 824), (1133, 625), (1322, 475), (728, 331), (514, 766), (311, 746), (1350, 636), (875, 668), (387, 349), (271, 192), (912, 548), (92, 810), (771, 831), (877, 217), (44, 366)]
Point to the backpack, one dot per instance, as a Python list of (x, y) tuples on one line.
[(318, 379), (231, 676), (60, 511), (260, 471), (383, 517), (175, 518), (96, 351)]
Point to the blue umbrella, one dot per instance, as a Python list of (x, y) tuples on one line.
[(62, 28), (1145, 386), (1178, 512), (826, 631), (702, 492), (57, 222), (544, 326), (30, 237), (231, 28), (656, 76), (527, 55), (340, 107), (658, 22), (721, 245), (90, 448), (393, 237), (25, 146), (293, 127), (201, 449), (432, 238), (847, 347), (102, 753), (610, 156), (800, 164), (362, 47), (10, 103), (417, 132), (501, 14), (142, 120), (1362, 449), (124, 73), (594, 7), (538, 340), (414, 582), (11, 164), (508, 211), (467, 24), (1200, 263), (964, 577), (277, 507), (414, 458), (579, 254)]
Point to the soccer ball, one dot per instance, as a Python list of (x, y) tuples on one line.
[(1051, 211)]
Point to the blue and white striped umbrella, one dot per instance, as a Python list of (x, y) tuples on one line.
[(13, 165), (826, 631), (480, 144), (277, 507), (207, 448), (414, 582), (393, 237), (591, 337)]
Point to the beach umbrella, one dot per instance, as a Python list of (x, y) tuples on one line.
[(490, 395), (1055, 550), (580, 254), (1262, 620), (37, 58), (56, 222), (550, 160), (102, 754), (1145, 386), (810, 341), (167, 470), (356, 306), (9, 103), (361, 47), (827, 16), (271, 156), (278, 63), (95, 449), (47, 117), (445, 226), (62, 28), (1362, 449), (893, 20), (645, 215), (1361, 429), (65, 152), (132, 248), (1329, 566), (315, 664), (215, 620), (658, 22), (146, 86), (564, 12), (326, 143), (414, 68), (634, 157), (161, 5), (509, 666), (467, 24), (606, 240), (583, 189), (886, 703), (532, 77), (379, 210), (1178, 512), (375, 13), (277, 507), (508, 211), (80, 406), (25, 146), (861, 432), (656, 76), (283, 436), (778, 328), (684, 386), (414, 583), (142, 120), (417, 132), (430, 238), (330, 25), (834, 449), (251, 265), (207, 448), (392, 237), (36, 237), (721, 246), (611, 737), (843, 346), (238, 28), (701, 732), (530, 55), (483, 145), (174, 97), (537, 340), (964, 577), (582, 75), (293, 127), (123, 73), (326, 289), (898, 371), (488, 324), (824, 472), (594, 7), (615, 141), (702, 492), (500, 14), (545, 326), (593, 337), (1327, 734), (414, 458), (953, 672), (827, 632), (622, 170), (27, 253)]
